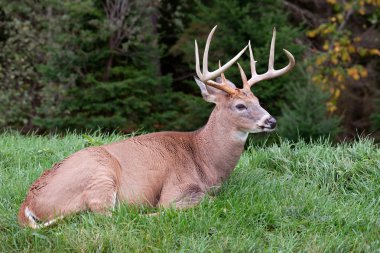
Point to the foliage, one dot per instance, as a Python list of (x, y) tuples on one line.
[(21, 44), (341, 59), (287, 197), (342, 51), (305, 116), (138, 101), (117, 85)]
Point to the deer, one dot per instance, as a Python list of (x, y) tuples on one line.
[(162, 169)]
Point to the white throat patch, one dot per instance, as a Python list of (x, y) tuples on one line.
[(241, 136)]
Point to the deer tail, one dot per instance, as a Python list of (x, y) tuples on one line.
[(26, 217)]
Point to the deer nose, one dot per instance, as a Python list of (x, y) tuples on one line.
[(271, 122)]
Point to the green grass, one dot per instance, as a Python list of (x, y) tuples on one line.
[(287, 197)]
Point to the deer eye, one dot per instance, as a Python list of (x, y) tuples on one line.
[(241, 107)]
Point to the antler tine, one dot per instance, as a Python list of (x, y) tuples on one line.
[(224, 80), (243, 78), (271, 52), (206, 75), (223, 85), (207, 47), (271, 73), (197, 67), (252, 60)]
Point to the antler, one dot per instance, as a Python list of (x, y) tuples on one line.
[(207, 76), (223, 85), (271, 73)]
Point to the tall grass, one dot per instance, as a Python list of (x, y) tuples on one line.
[(287, 197)]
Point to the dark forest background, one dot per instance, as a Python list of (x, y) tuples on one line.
[(128, 65)]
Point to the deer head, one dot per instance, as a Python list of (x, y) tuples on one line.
[(238, 107)]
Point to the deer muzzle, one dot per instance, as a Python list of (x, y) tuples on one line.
[(267, 123)]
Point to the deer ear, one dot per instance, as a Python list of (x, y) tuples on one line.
[(220, 80), (205, 93)]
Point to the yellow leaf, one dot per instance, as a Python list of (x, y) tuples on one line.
[(346, 57), (331, 1), (336, 47), (353, 73), (374, 2), (331, 107), (326, 46), (337, 94), (327, 30), (311, 33), (340, 17), (362, 51), (363, 72), (320, 60), (374, 51), (348, 6)]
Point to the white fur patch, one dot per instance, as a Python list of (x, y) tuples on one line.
[(48, 223), (33, 220), (31, 217), (114, 200), (241, 136)]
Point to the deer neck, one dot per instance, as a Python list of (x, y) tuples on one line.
[(220, 146)]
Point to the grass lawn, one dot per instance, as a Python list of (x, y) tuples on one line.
[(286, 197)]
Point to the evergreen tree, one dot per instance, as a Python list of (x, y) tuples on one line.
[(113, 50), (25, 31), (305, 115)]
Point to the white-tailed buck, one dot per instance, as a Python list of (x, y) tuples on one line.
[(159, 169)]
